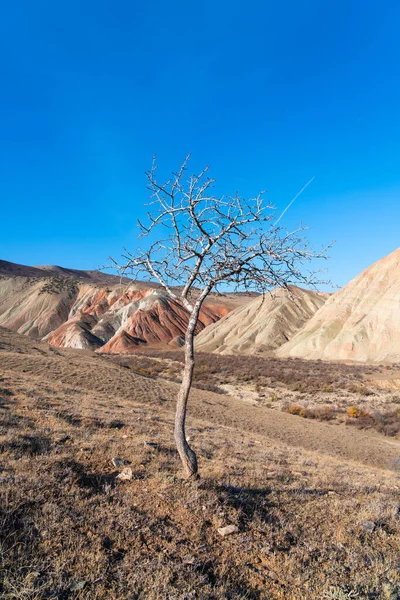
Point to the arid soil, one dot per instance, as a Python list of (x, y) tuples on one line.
[(363, 396), (316, 504)]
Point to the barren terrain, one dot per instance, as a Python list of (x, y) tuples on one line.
[(316, 504), (360, 322)]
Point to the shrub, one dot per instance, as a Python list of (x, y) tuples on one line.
[(295, 409), (353, 412), (387, 423), (358, 388), (209, 387), (307, 413), (324, 413)]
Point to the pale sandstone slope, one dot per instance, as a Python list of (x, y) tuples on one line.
[(262, 325), (27, 308), (360, 322)]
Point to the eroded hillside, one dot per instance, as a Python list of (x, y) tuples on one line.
[(360, 322), (118, 317), (262, 325)]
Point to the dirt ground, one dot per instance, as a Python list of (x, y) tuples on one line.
[(316, 504)]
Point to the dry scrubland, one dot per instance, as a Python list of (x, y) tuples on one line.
[(365, 396), (316, 503)]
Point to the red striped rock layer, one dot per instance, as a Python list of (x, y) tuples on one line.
[(80, 315)]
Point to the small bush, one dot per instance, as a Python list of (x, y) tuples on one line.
[(358, 388), (295, 409), (386, 423), (325, 413), (307, 413), (353, 412), (209, 387)]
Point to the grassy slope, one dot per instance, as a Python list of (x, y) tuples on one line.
[(313, 521)]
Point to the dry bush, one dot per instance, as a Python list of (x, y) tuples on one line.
[(322, 413), (387, 423), (362, 389), (353, 411), (295, 409)]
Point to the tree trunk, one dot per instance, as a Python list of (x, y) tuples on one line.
[(187, 455)]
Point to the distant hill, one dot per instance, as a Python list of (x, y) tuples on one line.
[(95, 310), (10, 269), (262, 325), (91, 309), (361, 322)]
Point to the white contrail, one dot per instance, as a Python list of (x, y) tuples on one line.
[(293, 200)]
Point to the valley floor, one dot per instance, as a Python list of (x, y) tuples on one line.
[(316, 504)]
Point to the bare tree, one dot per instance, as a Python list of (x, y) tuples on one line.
[(201, 241)]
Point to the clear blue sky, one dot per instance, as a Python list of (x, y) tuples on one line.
[(269, 93)]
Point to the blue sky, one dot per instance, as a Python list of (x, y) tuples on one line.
[(268, 93)]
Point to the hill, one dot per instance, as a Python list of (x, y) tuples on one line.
[(262, 325), (10, 269), (361, 322), (311, 502), (83, 309)]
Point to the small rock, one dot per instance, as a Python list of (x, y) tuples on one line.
[(126, 474), (117, 462), (228, 530), (368, 526)]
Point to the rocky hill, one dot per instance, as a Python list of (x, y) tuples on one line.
[(262, 325), (360, 322), (84, 311)]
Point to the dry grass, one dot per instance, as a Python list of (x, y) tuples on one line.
[(311, 389), (387, 423), (294, 374), (310, 525)]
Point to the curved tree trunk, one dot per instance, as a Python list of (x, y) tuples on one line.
[(187, 455)]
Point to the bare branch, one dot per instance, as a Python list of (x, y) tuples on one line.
[(204, 241)]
